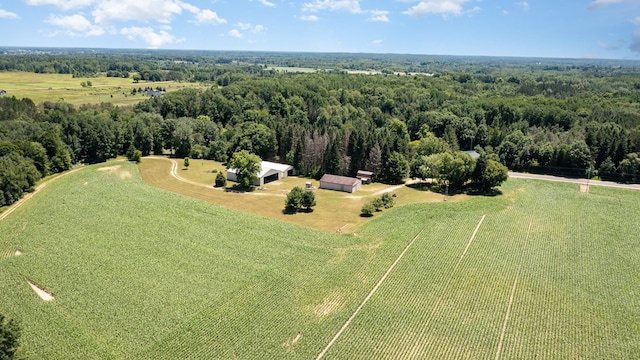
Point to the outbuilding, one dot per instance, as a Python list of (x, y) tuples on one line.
[(269, 172), (340, 183), (3, 92), (365, 176)]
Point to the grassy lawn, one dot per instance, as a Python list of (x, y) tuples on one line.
[(55, 87), (335, 211), (143, 273)]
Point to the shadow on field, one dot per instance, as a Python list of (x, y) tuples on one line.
[(240, 189), (292, 211)]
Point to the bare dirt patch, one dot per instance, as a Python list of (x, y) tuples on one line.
[(584, 188), (291, 342), (330, 304), (44, 295), (17, 253), (109, 168), (117, 169)]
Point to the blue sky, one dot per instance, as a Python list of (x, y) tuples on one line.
[(545, 28)]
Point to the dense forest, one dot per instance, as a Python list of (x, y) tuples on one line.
[(565, 117)]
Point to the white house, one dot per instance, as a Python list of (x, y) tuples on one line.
[(340, 183), (269, 172)]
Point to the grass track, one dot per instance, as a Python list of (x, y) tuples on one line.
[(139, 272)]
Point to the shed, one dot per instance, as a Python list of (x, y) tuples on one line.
[(269, 172), (340, 183), (474, 154), (3, 92), (365, 176)]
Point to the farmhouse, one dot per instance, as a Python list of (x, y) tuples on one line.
[(269, 172), (340, 183), (365, 176), (3, 92)]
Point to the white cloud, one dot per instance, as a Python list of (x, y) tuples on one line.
[(75, 25), (379, 15), (308, 18), (243, 26), (266, 3), (604, 3), (444, 7), (148, 35), (258, 29), (524, 5), (235, 33), (4, 14), (505, 12), (208, 17), (637, 20), (377, 42), (352, 6), (162, 11), (63, 4)]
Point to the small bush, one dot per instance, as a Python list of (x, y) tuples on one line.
[(9, 338), (368, 209), (378, 204), (221, 180), (387, 201)]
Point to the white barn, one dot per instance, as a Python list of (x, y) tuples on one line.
[(340, 183), (269, 172)]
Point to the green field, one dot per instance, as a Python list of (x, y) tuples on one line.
[(56, 87), (139, 272)]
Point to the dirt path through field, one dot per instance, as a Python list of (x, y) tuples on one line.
[(28, 196), (513, 293), (373, 291)]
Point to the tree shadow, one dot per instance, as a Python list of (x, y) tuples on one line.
[(481, 192), (366, 215), (240, 189)]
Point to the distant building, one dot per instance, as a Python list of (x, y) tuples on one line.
[(3, 92), (153, 93), (340, 183), (474, 154), (365, 176), (269, 172)]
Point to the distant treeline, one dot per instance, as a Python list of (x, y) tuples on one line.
[(571, 122)]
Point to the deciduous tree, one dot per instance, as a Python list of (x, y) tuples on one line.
[(247, 166)]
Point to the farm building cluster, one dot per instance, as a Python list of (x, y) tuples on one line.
[(270, 171)]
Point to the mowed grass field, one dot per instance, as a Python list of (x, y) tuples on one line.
[(64, 87), (542, 271), (335, 211)]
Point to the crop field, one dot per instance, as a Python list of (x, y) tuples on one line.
[(541, 271), (55, 87)]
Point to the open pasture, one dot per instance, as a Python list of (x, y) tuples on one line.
[(64, 87), (542, 271)]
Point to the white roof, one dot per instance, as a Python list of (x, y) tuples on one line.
[(267, 166)]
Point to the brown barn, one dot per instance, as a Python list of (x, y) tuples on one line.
[(340, 183)]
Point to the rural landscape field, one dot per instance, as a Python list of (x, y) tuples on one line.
[(69, 89), (540, 271)]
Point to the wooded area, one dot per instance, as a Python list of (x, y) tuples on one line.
[(564, 117)]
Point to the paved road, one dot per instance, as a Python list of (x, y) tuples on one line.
[(574, 181)]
